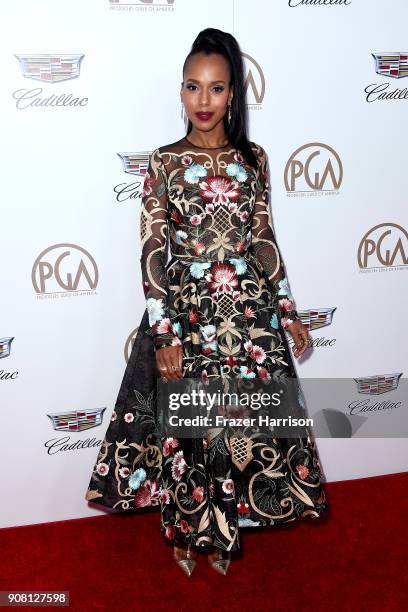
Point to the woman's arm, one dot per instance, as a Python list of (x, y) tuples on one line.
[(154, 235)]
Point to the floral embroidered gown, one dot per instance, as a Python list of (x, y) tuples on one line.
[(220, 291)]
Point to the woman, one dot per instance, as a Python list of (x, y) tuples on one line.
[(216, 310)]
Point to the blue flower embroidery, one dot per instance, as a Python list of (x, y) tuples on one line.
[(240, 265), (237, 171), (181, 237), (245, 522), (136, 479), (284, 288), (194, 173), (155, 309), (197, 269), (245, 374), (176, 327), (209, 335), (274, 321)]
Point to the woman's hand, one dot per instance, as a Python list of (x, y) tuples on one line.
[(169, 361), (300, 337)]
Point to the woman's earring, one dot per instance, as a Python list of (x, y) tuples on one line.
[(184, 115), (229, 114)]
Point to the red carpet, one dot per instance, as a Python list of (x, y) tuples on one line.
[(355, 559)]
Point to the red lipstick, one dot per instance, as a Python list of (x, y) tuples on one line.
[(204, 116)]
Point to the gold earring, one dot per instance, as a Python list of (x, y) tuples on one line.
[(229, 113), (184, 115)]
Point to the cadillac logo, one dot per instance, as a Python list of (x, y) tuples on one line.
[(135, 163), (380, 383), (316, 317), (5, 344), (50, 68), (77, 420), (391, 64)]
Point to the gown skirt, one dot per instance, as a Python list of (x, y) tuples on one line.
[(204, 492)]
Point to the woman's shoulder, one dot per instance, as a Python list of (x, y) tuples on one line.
[(257, 149)]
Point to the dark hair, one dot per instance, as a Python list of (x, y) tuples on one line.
[(210, 41)]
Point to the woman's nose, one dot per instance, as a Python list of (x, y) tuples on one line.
[(204, 97)]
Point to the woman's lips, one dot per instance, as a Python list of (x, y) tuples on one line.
[(204, 116)]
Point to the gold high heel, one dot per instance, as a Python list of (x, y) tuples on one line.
[(185, 558), (219, 560)]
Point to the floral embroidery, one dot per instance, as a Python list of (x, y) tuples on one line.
[(219, 190), (155, 308), (147, 185), (147, 495), (179, 466), (240, 265), (209, 336), (181, 237), (247, 372), (169, 445), (136, 479), (197, 269), (238, 171), (193, 174), (222, 277)]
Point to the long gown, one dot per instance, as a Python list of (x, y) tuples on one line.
[(214, 283)]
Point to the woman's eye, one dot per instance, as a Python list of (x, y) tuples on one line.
[(220, 89), (188, 86)]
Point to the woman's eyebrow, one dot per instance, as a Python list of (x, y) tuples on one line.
[(212, 82)]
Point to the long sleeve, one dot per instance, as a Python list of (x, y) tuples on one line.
[(265, 248), (154, 235)]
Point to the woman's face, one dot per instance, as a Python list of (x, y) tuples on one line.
[(206, 89)]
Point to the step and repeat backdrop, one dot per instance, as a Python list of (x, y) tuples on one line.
[(88, 90)]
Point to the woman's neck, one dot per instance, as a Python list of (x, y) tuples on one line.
[(206, 141)]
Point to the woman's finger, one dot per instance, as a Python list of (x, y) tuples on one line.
[(304, 340), (160, 364), (169, 364)]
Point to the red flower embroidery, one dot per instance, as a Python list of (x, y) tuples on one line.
[(195, 219), (222, 278), (258, 354), (146, 286), (164, 326), (170, 532), (249, 312), (286, 305), (193, 315), (263, 373), (219, 190), (198, 494), (147, 185), (175, 216), (148, 495), (242, 508), (303, 471), (168, 445), (239, 246), (199, 248)]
